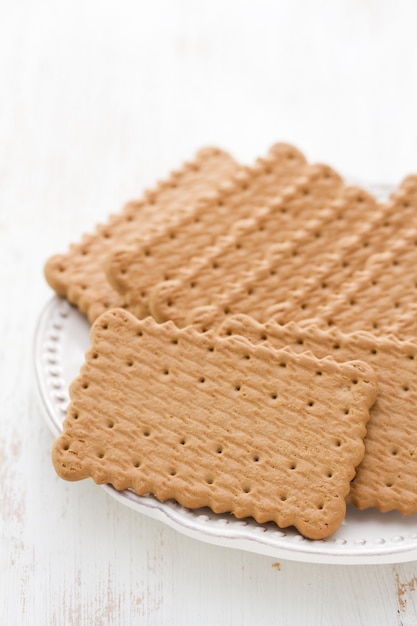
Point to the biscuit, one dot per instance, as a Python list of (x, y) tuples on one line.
[(322, 287), (136, 270), (218, 422), (293, 242), (299, 261), (79, 275), (387, 477)]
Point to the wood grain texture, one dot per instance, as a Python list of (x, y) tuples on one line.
[(98, 101)]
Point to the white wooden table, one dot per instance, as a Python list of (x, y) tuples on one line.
[(98, 99)]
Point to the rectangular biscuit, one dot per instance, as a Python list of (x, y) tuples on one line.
[(136, 270), (387, 476), (79, 274), (293, 245), (293, 284), (210, 421)]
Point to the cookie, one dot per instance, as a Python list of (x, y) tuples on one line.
[(322, 286), (295, 235), (79, 275), (387, 476), (212, 421), (136, 270), (294, 263)]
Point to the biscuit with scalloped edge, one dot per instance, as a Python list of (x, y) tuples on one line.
[(79, 275), (291, 240), (135, 270), (212, 421), (350, 283), (387, 477)]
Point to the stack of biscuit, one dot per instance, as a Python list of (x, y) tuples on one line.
[(252, 345)]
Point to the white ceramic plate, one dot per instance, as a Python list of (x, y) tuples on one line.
[(62, 337)]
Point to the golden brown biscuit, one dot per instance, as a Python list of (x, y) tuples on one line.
[(387, 476), (136, 270), (217, 422), (292, 245), (79, 274)]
